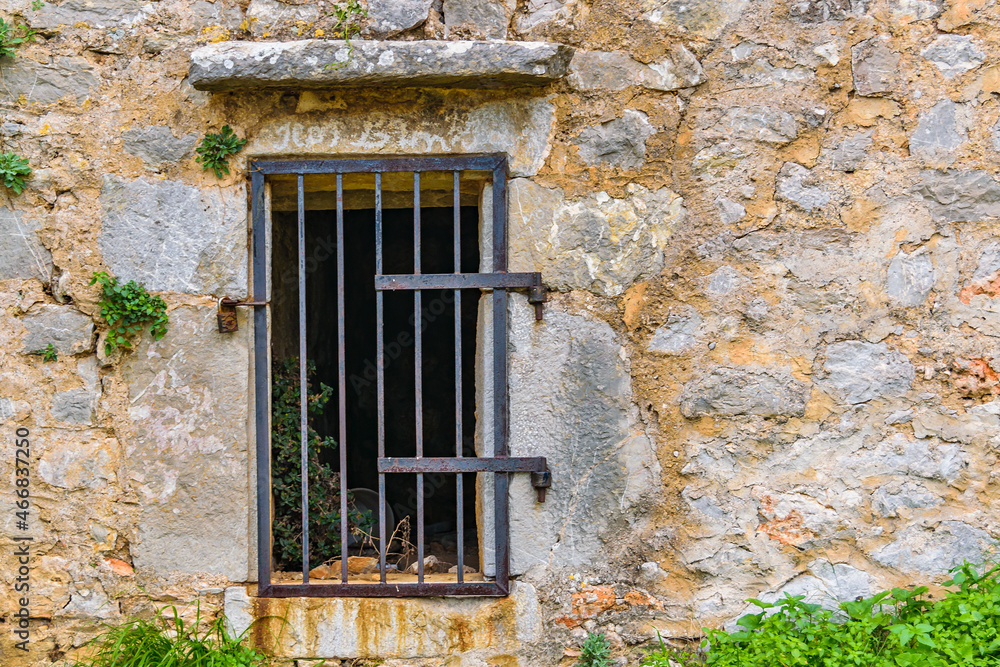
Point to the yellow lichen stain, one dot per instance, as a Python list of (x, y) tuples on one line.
[(214, 34), (44, 129), (503, 661), (319, 32)]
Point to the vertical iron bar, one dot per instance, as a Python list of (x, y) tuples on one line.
[(262, 403), (500, 417), (459, 491), (418, 374), (303, 382), (342, 375), (380, 366)]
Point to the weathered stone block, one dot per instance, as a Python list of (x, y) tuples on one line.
[(158, 145), (570, 401), (876, 67), (75, 406), (819, 11), (960, 196), (520, 128), (22, 255), (935, 550), (543, 16), (617, 143), (615, 70), (764, 124), (938, 135), (851, 153), (707, 18), (482, 18), (889, 498), (67, 329), (270, 15), (26, 81), (189, 457), (407, 629), (910, 278), (595, 243), (796, 184), (389, 17), (731, 391), (860, 372), (678, 335), (76, 460), (954, 55), (254, 65), (93, 13), (729, 210), (902, 12), (175, 238)]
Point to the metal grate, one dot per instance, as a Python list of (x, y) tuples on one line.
[(500, 464)]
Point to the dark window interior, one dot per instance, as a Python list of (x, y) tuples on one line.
[(439, 424)]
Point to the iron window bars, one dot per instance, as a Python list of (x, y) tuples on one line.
[(500, 464)]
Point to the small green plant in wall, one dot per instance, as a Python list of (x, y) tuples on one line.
[(596, 652), (349, 15), (50, 354), (216, 148), (13, 170), (12, 36), (127, 309)]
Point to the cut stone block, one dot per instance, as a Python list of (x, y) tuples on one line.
[(326, 64)]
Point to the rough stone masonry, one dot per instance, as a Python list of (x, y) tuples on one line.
[(771, 362)]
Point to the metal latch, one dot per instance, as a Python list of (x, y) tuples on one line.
[(227, 313), (541, 478), (537, 294)]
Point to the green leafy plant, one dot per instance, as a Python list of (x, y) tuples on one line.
[(215, 149), (167, 640), (13, 170), (127, 309), (50, 354), (896, 628), (596, 652), (667, 656), (349, 16), (12, 36), (286, 474), (37, 4)]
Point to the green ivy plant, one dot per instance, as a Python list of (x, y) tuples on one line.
[(895, 628), (13, 170), (286, 474), (215, 149), (127, 309), (12, 36), (596, 652), (349, 16)]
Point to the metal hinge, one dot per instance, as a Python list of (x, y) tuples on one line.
[(541, 478), (227, 313), (537, 294)]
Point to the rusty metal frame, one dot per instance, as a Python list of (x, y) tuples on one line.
[(501, 465)]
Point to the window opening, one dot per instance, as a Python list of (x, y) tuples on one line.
[(379, 260)]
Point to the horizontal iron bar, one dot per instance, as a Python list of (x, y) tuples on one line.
[(457, 281), (372, 165), (456, 465), (488, 589)]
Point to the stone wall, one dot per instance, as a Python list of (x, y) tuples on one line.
[(771, 363)]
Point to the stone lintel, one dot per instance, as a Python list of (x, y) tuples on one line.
[(230, 66)]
